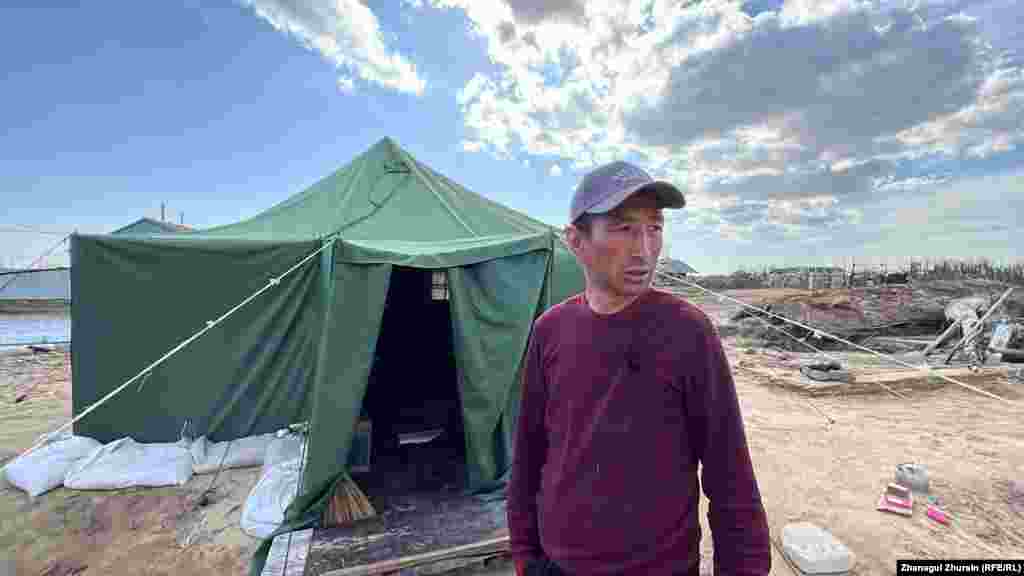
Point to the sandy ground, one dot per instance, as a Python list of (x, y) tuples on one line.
[(137, 531), (830, 474)]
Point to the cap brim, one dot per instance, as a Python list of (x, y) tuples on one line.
[(669, 196)]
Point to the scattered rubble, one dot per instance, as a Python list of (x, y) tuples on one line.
[(814, 550), (913, 476), (897, 499), (830, 371), (887, 316), (937, 514)]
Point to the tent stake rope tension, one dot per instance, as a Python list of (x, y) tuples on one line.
[(210, 324)]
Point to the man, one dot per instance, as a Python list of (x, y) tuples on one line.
[(625, 390)]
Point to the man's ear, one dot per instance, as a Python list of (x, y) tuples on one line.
[(573, 239)]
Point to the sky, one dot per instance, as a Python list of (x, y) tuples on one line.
[(803, 132)]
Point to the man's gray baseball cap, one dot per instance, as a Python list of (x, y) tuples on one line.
[(604, 188)]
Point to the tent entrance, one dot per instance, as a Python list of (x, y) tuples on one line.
[(412, 399)]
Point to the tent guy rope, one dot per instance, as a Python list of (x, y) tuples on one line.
[(210, 324), (31, 230), (37, 260), (822, 352)]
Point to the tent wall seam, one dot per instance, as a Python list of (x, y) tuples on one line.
[(426, 181), (351, 187)]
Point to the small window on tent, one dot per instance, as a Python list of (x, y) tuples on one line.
[(439, 285)]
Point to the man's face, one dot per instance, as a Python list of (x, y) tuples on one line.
[(621, 252)]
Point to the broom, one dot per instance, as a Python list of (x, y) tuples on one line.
[(347, 504)]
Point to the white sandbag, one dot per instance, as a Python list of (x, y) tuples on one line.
[(264, 508), (44, 468), (282, 448), (125, 463), (242, 452)]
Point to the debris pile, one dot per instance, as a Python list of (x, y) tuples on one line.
[(815, 551), (831, 371), (887, 315)]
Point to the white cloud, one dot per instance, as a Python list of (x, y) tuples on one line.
[(820, 99), (346, 85), (956, 218), (990, 124), (534, 11), (556, 170), (345, 33)]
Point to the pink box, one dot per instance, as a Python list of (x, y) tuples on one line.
[(938, 515)]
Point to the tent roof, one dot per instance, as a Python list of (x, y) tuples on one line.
[(151, 226), (673, 266), (386, 196)]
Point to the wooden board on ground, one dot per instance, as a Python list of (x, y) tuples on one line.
[(288, 553), (417, 531), (485, 548)]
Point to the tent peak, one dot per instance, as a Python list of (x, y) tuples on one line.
[(389, 142)]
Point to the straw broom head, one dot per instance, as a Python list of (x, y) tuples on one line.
[(348, 504)]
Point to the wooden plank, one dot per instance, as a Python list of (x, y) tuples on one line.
[(918, 341), (408, 525), (485, 547), (296, 546), (457, 566)]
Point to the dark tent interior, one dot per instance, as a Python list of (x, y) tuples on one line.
[(413, 392)]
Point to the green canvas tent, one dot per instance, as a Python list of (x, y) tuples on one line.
[(306, 348)]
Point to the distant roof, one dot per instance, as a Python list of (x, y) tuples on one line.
[(673, 266), (151, 226)]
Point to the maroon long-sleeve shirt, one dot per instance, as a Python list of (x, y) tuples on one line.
[(616, 412)]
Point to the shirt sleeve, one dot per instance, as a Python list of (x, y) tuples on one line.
[(529, 454), (739, 524)]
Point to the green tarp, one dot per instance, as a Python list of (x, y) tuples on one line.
[(134, 300), (493, 304), (303, 349)]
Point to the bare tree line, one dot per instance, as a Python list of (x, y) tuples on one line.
[(959, 269), (916, 269)]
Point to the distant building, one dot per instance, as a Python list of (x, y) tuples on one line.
[(55, 284), (147, 226), (671, 268), (813, 277), (675, 267)]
